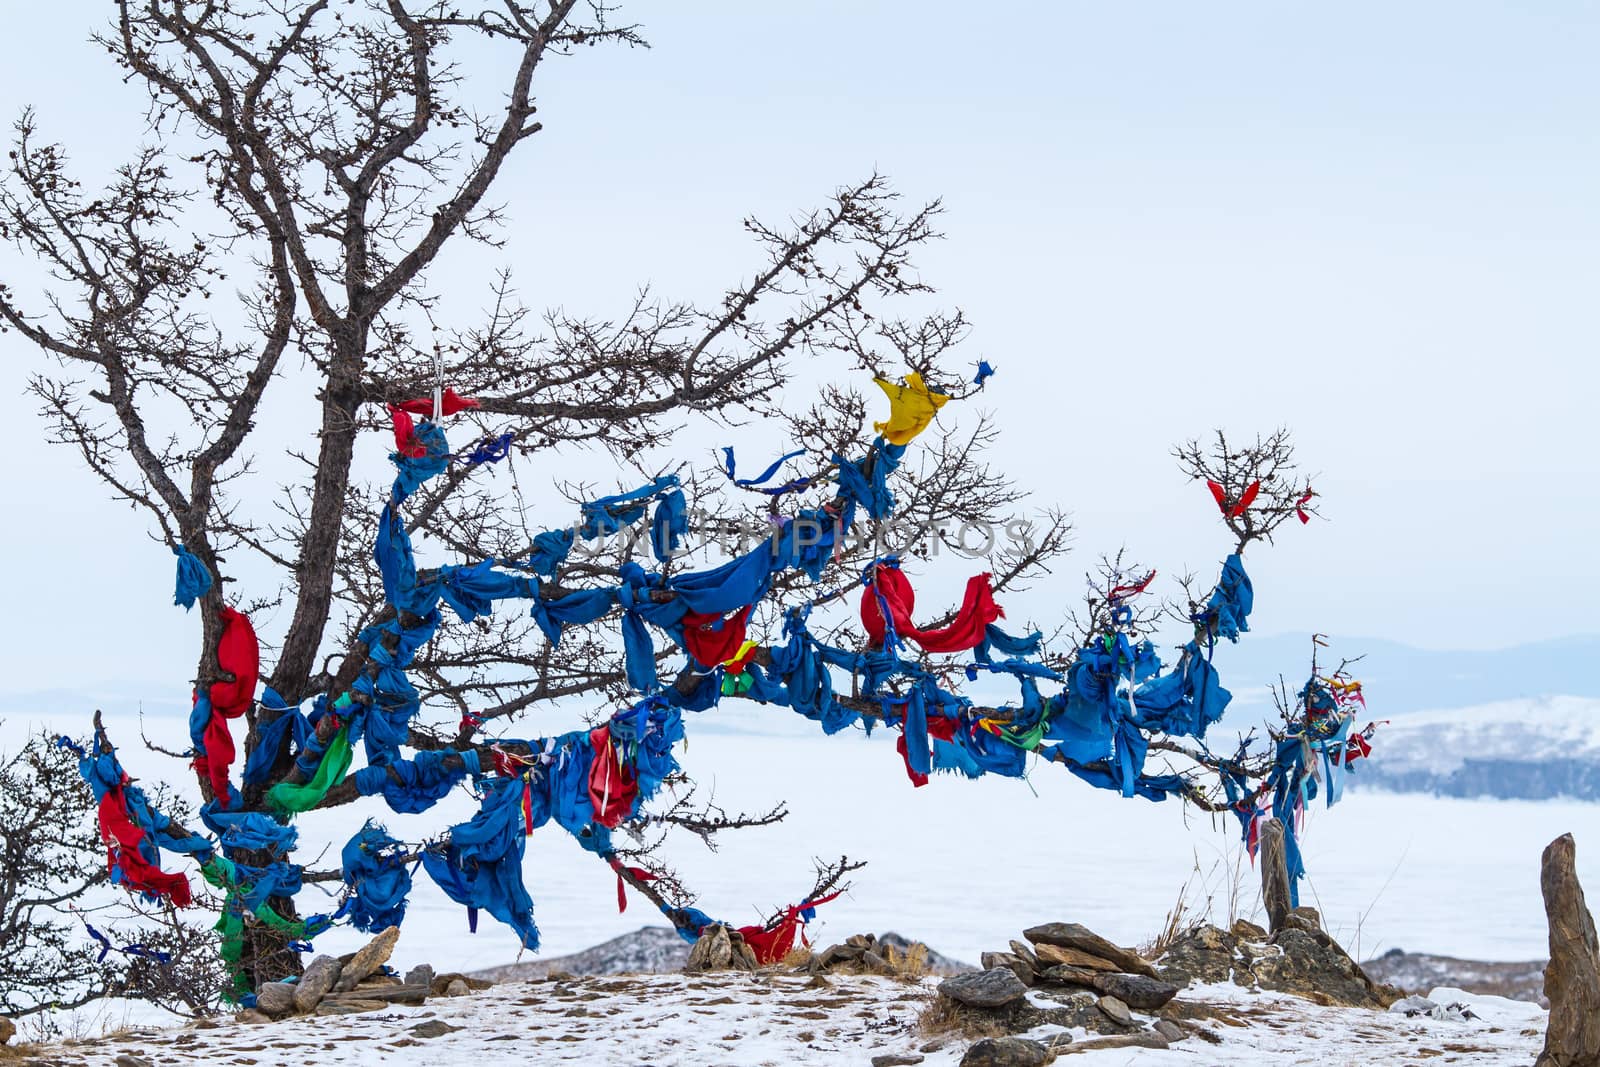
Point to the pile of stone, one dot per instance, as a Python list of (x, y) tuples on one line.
[(722, 948), (1299, 958), (354, 983), (1081, 980)]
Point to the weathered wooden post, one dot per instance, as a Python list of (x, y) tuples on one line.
[(1572, 978), (1274, 875)]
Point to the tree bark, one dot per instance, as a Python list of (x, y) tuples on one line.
[(1274, 875)]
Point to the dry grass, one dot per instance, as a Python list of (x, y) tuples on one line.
[(944, 1016)]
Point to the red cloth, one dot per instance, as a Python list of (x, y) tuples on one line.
[(622, 886), (450, 403), (772, 945), (239, 654), (713, 639), (612, 786), (890, 586), (405, 434), (123, 838), (1249, 497), (940, 728)]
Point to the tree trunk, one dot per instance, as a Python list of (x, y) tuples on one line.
[(1274, 875)]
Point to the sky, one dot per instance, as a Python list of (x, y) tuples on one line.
[(1376, 224)]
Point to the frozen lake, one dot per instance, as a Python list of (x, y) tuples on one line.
[(965, 865)]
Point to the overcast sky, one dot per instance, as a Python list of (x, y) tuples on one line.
[(1378, 224)]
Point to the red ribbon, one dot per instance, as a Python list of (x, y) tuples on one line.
[(451, 403), (405, 434), (1300, 506), (622, 886), (1247, 498), (123, 837), (239, 654), (771, 945), (889, 585)]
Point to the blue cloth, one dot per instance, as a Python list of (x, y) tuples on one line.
[(378, 877), (866, 481), (480, 863), (414, 471), (574, 609), (669, 528), (550, 551), (1229, 607), (472, 590), (256, 885), (194, 580), (609, 514), (103, 773), (289, 726), (490, 449), (255, 831), (417, 784), (1184, 701), (985, 372), (764, 477)]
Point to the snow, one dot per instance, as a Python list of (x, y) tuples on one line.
[(776, 1020), (965, 865), (1536, 730)]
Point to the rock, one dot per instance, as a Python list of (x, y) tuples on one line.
[(712, 952), (1025, 954), (330, 1006), (1073, 935), (1015, 965), (1413, 1005), (1051, 955), (1314, 966), (316, 983), (1170, 1030), (433, 1027), (1572, 977), (389, 994), (457, 988), (128, 1060), (898, 1059), (422, 974), (367, 961), (994, 988), (874, 963), (1115, 1010), (1204, 954), (275, 999), (442, 982), (1307, 915), (8, 1030), (1275, 889), (1245, 930), (1006, 1052), (1097, 1044), (251, 1017), (1135, 990)]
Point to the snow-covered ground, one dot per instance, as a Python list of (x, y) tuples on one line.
[(773, 1020)]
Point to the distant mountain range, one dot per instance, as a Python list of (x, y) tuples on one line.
[(1511, 750), (1400, 679)]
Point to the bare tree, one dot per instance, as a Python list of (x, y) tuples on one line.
[(51, 862), (310, 161)]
